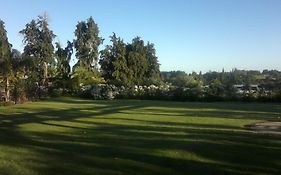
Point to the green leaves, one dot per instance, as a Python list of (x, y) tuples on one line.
[(5, 51), (153, 70), (130, 64), (83, 77), (114, 63), (63, 57), (38, 47), (87, 43)]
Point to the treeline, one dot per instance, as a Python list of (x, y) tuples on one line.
[(266, 79), (120, 70), (236, 85), (44, 66)]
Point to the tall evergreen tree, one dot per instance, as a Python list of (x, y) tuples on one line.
[(87, 43), (17, 60), (45, 45), (131, 64), (153, 71), (38, 50), (137, 62), (5, 59), (63, 57), (18, 81), (113, 62)]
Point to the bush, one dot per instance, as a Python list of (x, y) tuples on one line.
[(167, 92), (56, 92), (8, 103), (103, 92)]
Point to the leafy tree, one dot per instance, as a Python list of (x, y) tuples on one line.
[(38, 50), (87, 43), (217, 88), (179, 78), (130, 64), (63, 58), (84, 77), (5, 59), (114, 63), (18, 81), (136, 60), (153, 71), (17, 60)]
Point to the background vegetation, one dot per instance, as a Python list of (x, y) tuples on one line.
[(120, 70)]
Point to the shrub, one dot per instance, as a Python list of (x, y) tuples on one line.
[(8, 103), (167, 92), (56, 92)]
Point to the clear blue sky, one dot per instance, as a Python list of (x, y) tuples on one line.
[(188, 34)]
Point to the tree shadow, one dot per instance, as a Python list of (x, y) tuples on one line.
[(139, 146)]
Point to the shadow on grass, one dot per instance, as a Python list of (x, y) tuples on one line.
[(140, 146)]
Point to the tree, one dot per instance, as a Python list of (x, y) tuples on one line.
[(83, 77), (5, 58), (114, 63), (38, 49), (17, 60), (216, 88), (137, 61), (18, 81), (87, 43), (180, 79), (63, 58), (153, 71), (130, 64), (45, 45)]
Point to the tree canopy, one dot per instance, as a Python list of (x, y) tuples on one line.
[(130, 64), (87, 43)]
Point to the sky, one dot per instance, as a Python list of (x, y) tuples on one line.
[(189, 35)]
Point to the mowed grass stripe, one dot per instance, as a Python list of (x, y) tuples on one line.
[(76, 136)]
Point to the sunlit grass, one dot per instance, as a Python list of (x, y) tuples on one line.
[(76, 136)]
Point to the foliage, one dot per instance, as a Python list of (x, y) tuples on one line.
[(38, 53), (180, 79), (63, 69), (6, 103), (63, 58), (113, 63), (38, 45), (19, 91), (130, 64), (5, 59), (5, 51), (136, 60), (127, 70), (153, 71), (83, 77), (87, 43)]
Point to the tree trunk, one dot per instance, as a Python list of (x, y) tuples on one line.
[(45, 72), (7, 90)]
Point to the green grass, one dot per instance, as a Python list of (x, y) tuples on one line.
[(74, 136)]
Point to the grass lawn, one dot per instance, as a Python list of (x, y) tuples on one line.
[(67, 136)]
